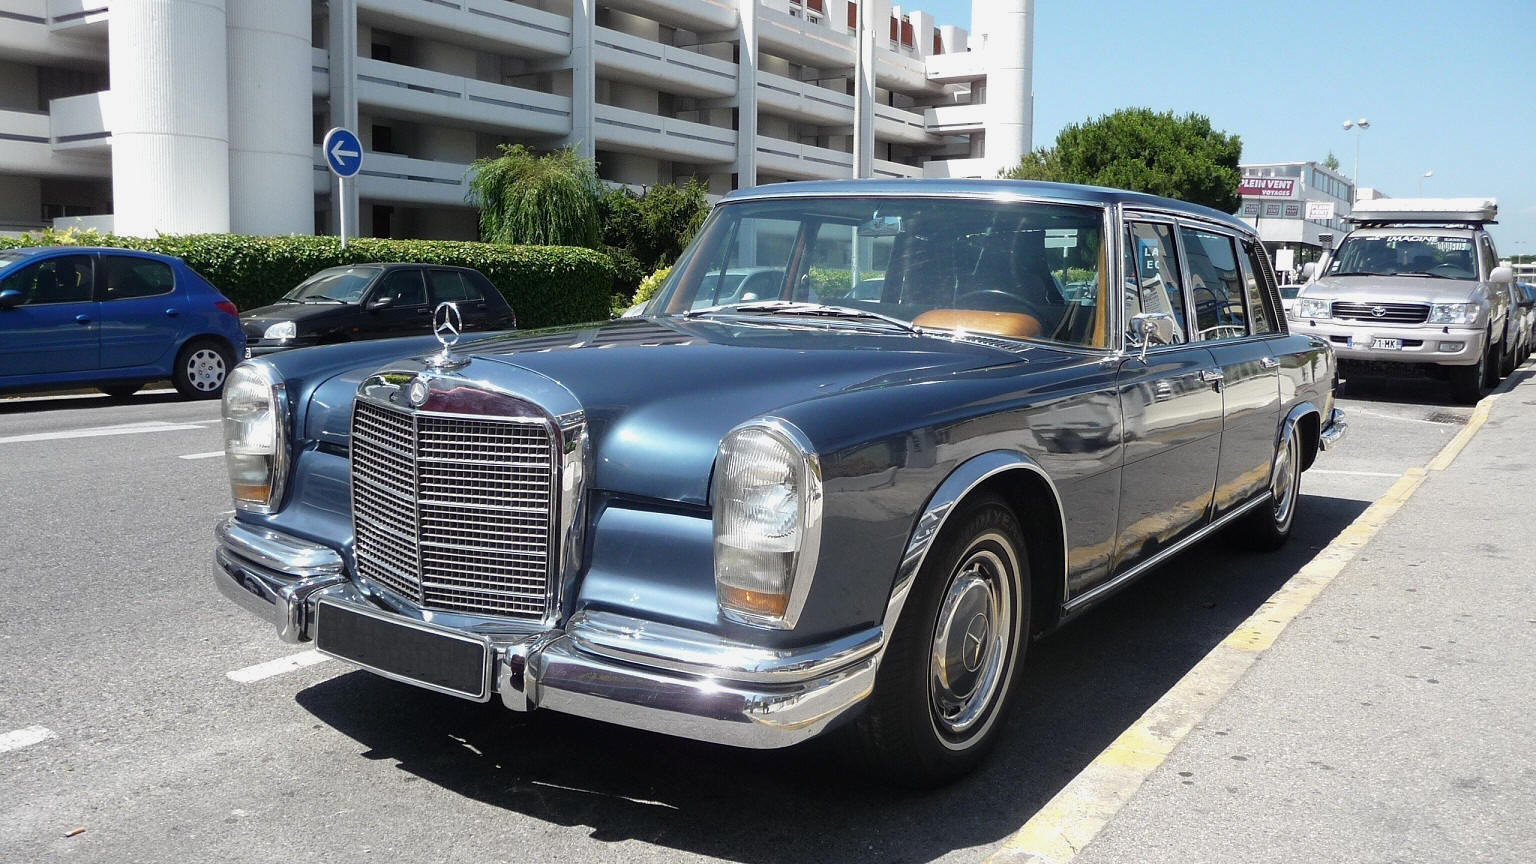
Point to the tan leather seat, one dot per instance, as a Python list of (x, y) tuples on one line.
[(1015, 325)]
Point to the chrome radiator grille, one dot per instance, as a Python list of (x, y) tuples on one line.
[(1391, 313), (454, 513)]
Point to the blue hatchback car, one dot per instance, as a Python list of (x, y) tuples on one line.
[(113, 319)]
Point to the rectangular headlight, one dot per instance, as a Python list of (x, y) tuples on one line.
[(767, 523), (1310, 307), (1453, 313), (255, 436)]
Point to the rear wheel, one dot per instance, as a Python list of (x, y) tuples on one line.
[(947, 675), (201, 368), (1469, 383), (1267, 528)]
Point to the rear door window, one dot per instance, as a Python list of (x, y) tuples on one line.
[(448, 286), (1215, 285), (1152, 270), (127, 277), (1261, 317)]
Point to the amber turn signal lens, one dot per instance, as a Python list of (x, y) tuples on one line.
[(756, 602), (259, 492)]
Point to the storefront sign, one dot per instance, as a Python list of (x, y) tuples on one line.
[(1322, 211), (1271, 209), (1267, 187), (1293, 211)]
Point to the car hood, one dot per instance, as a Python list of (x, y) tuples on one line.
[(306, 315), (659, 394), (1392, 289)]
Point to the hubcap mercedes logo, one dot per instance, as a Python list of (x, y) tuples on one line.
[(1378, 311), (447, 324), (975, 642)]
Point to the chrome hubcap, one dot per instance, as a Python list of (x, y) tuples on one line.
[(1283, 486), (971, 637), (205, 370)]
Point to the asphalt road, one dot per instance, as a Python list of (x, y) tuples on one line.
[(120, 716)]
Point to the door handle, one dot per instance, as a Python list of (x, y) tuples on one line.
[(172, 312), (1214, 377), (82, 319), (1269, 363)]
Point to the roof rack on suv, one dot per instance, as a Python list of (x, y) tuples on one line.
[(1425, 211)]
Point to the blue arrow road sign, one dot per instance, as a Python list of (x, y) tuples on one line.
[(343, 152)]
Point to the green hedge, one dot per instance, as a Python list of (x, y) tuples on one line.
[(546, 285)]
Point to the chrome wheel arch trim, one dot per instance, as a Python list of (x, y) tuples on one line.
[(956, 488), (1292, 418)]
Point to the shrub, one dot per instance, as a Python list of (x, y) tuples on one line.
[(546, 285), (650, 285), (548, 199), (655, 226)]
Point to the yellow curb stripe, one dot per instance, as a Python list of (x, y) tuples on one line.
[(1076, 814)]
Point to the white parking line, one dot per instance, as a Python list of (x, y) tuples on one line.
[(1325, 471), (87, 395), (25, 738), (277, 667), (100, 431), (209, 455)]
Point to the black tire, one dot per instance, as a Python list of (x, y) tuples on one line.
[(120, 390), (1268, 526), (1470, 383), (202, 367), (931, 720), (1507, 360)]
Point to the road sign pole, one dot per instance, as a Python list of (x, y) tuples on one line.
[(341, 207), (344, 156)]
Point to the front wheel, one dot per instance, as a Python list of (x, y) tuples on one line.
[(201, 368), (1469, 383), (944, 683)]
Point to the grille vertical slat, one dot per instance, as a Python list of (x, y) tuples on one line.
[(454, 513)]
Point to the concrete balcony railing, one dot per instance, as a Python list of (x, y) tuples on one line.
[(433, 97), (28, 33), (623, 57), (958, 168), (78, 16), (801, 161), (320, 71), (390, 178), (629, 131), (956, 68), (800, 40), (26, 147), (955, 119), (801, 100), (882, 168), (501, 26), (700, 16), (81, 122), (898, 124)]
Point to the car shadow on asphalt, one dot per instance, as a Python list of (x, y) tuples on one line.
[(89, 401), (1082, 687), (1421, 391)]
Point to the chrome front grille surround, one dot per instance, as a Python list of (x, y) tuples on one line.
[(454, 512), (1390, 313)]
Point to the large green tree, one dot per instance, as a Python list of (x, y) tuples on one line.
[(528, 198), (1144, 151)]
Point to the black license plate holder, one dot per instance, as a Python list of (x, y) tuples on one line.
[(431, 657)]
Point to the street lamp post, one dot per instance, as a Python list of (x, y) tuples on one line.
[(1427, 175), (1363, 125)]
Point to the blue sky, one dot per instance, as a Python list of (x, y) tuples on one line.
[(1448, 88)]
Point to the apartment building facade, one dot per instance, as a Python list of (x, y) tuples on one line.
[(177, 116)]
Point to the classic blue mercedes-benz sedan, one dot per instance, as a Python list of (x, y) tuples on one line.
[(953, 415), (74, 316)]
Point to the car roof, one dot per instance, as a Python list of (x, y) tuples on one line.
[(1071, 193), (40, 251)]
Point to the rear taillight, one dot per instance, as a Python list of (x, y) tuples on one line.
[(227, 308)]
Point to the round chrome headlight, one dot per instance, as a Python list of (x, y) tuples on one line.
[(255, 433)]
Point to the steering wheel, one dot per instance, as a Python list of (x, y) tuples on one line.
[(994, 300)]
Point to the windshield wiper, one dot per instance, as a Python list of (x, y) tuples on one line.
[(1423, 273), (793, 307), (1354, 273)]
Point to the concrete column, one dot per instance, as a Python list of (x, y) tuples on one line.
[(271, 159), (170, 134), (1010, 50), (872, 26), (583, 136), (746, 95), (342, 38)]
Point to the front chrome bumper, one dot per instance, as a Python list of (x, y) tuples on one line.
[(600, 665), (1333, 431)]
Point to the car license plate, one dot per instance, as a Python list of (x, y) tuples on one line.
[(1387, 344), (436, 659)]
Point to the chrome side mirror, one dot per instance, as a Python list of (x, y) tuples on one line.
[(1502, 275), (1154, 328)]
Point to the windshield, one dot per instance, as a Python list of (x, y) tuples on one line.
[(1016, 269), (340, 284), (1437, 255)]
